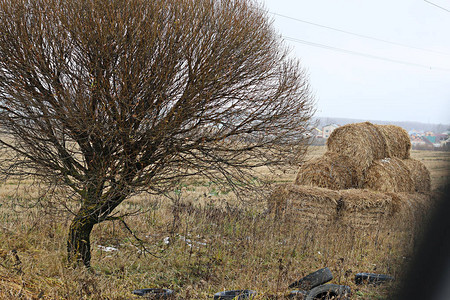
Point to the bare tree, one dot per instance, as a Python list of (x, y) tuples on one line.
[(111, 97)]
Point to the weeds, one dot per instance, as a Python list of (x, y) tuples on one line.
[(201, 245), (209, 248)]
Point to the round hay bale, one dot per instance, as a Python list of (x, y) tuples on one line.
[(332, 170), (420, 175), (397, 141), (389, 175), (362, 142)]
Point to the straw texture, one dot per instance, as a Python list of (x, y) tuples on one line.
[(358, 208), (389, 175), (362, 142), (307, 204), (397, 139), (419, 174), (365, 179), (332, 170)]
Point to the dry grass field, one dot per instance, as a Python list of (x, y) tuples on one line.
[(205, 243)]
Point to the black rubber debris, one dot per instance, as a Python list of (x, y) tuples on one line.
[(312, 280), (329, 291), (235, 294), (154, 293)]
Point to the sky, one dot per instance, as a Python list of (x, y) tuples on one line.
[(374, 60)]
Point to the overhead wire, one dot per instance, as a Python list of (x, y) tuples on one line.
[(363, 54), (351, 52), (436, 5), (356, 34)]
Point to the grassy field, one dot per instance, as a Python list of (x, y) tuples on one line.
[(203, 243)]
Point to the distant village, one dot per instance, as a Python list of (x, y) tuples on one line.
[(420, 140)]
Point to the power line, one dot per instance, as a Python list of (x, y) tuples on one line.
[(436, 5), (356, 34), (363, 54)]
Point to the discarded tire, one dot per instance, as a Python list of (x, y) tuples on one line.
[(155, 293), (312, 280), (372, 278), (298, 295), (329, 291), (236, 294)]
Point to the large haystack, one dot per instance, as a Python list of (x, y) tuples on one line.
[(397, 141), (389, 175), (366, 179), (362, 142), (358, 208), (419, 174), (332, 170)]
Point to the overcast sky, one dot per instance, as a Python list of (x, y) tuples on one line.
[(401, 84)]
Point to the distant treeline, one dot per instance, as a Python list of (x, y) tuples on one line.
[(436, 128)]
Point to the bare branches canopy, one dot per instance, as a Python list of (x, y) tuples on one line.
[(108, 97)]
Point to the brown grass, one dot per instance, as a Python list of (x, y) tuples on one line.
[(229, 248), (245, 248), (389, 175), (438, 163)]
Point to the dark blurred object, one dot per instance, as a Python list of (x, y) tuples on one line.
[(429, 274), (313, 279), (236, 294), (329, 291), (155, 293)]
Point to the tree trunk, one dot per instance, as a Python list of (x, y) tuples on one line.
[(90, 213), (78, 242)]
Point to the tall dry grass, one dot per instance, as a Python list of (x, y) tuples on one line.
[(212, 246)]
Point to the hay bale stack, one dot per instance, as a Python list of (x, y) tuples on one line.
[(365, 179), (362, 142), (419, 174), (397, 139), (357, 208), (332, 170), (389, 175)]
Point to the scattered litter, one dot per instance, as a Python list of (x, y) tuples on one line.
[(386, 160), (372, 278), (166, 240), (107, 249), (190, 242)]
